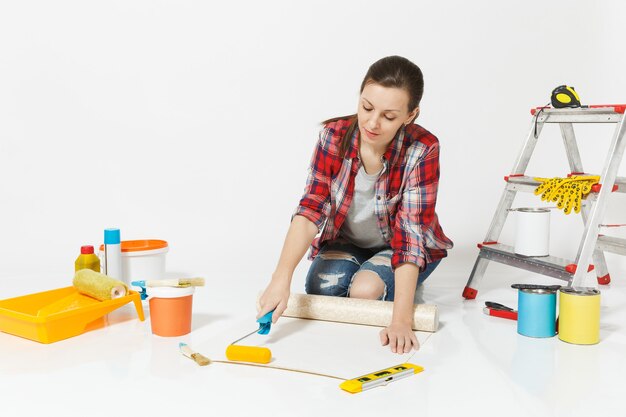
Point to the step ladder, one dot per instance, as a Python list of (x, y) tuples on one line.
[(592, 243)]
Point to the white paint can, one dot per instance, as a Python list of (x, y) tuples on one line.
[(142, 260), (532, 237)]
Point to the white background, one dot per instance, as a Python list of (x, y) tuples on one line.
[(194, 121)]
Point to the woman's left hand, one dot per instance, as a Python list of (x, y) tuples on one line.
[(400, 338)]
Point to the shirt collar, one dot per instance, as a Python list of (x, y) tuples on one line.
[(393, 151), (353, 151)]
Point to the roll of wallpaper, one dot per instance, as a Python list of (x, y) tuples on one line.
[(98, 286), (357, 311)]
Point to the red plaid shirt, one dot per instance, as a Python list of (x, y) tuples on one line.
[(406, 192)]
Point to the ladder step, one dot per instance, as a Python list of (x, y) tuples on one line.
[(546, 265), (611, 244), (529, 184)]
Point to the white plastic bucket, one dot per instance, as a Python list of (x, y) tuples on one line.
[(142, 260), (532, 237)]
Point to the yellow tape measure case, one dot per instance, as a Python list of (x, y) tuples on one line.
[(564, 96)]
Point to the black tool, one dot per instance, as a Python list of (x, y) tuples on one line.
[(499, 310), (497, 306)]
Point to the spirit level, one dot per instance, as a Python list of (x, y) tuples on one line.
[(382, 377)]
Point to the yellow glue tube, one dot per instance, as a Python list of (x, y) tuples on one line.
[(579, 315)]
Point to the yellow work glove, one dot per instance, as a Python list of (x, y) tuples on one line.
[(547, 186), (568, 193), (587, 181)]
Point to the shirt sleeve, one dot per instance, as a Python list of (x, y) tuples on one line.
[(315, 202), (416, 210)]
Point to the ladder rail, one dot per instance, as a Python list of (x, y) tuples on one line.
[(609, 173), (506, 201), (571, 147), (508, 195), (524, 155), (576, 166)]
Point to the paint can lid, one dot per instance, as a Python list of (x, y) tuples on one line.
[(538, 290), (169, 292), (580, 291), (533, 210), (142, 247)]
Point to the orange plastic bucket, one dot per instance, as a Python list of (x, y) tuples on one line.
[(170, 310)]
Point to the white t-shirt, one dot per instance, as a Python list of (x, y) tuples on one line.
[(361, 225)]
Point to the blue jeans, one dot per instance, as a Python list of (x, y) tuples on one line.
[(333, 269)]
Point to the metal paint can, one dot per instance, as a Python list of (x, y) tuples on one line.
[(532, 233), (579, 315), (536, 312)]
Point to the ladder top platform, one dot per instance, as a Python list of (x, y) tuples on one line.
[(594, 108)]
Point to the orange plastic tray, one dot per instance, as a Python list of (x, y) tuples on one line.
[(54, 315)]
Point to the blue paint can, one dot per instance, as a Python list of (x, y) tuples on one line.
[(536, 312)]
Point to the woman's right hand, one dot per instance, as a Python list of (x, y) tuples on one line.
[(275, 298)]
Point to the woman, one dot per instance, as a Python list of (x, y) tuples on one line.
[(371, 191)]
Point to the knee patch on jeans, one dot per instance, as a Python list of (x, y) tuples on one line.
[(380, 260), (336, 255), (330, 279)]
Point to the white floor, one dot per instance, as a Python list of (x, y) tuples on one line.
[(474, 365)]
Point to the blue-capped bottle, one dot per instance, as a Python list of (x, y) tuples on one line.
[(112, 260)]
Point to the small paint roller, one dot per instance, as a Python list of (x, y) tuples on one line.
[(202, 360), (98, 286), (254, 354)]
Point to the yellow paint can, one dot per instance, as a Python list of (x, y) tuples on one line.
[(579, 315)]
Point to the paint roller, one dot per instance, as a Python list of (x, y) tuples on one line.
[(98, 286), (254, 354)]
